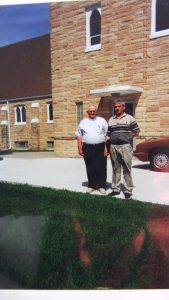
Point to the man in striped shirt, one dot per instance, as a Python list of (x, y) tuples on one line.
[(122, 128)]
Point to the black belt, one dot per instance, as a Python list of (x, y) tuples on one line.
[(85, 144), (120, 143)]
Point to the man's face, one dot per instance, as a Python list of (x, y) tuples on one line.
[(119, 109), (91, 112)]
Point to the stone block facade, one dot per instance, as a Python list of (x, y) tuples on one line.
[(127, 57)]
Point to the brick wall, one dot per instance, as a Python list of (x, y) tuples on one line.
[(127, 57), (36, 134)]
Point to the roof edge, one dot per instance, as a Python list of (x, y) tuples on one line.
[(26, 98)]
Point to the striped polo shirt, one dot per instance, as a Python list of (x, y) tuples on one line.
[(120, 129)]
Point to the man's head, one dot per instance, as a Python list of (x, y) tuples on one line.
[(91, 112), (119, 107)]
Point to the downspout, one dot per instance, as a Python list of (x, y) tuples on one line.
[(9, 126)]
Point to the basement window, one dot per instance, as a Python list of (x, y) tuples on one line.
[(50, 145), (21, 145)]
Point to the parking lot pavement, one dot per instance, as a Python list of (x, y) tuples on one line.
[(44, 169)]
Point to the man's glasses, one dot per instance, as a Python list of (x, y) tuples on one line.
[(91, 111)]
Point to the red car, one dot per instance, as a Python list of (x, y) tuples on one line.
[(156, 151)]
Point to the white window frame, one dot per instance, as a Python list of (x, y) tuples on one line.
[(21, 114), (48, 112), (89, 12), (154, 33)]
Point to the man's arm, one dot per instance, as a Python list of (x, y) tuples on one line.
[(80, 145), (135, 134), (135, 130), (107, 137)]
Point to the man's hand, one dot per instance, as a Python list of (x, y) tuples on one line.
[(135, 134), (80, 152), (106, 153)]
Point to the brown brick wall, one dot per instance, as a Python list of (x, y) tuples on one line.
[(36, 134)]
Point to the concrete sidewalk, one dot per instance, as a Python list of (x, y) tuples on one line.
[(44, 169)]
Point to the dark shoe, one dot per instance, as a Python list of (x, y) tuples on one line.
[(114, 193), (128, 195)]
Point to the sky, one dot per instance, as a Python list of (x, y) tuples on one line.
[(23, 21)]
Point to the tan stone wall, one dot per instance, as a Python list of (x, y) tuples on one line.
[(157, 94), (127, 57), (36, 134), (4, 136), (64, 148)]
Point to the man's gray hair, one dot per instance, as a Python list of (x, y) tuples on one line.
[(119, 101)]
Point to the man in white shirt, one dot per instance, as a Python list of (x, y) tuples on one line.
[(91, 137)]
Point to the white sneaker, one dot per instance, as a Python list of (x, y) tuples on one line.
[(89, 190), (102, 191)]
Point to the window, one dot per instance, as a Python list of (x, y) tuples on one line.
[(49, 112), (79, 112), (93, 28), (50, 145), (160, 18), (21, 145), (20, 114)]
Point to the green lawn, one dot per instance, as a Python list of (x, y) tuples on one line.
[(57, 239)]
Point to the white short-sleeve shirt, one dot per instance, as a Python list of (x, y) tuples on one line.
[(92, 131)]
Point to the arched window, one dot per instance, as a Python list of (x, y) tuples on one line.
[(20, 114), (49, 112), (23, 114), (93, 28)]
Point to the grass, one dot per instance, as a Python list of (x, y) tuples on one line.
[(46, 235)]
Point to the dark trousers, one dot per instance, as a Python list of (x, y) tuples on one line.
[(96, 165)]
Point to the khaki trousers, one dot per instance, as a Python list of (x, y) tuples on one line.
[(121, 159)]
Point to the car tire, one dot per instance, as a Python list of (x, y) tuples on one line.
[(159, 160)]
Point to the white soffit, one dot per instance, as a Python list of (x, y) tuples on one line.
[(119, 89)]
